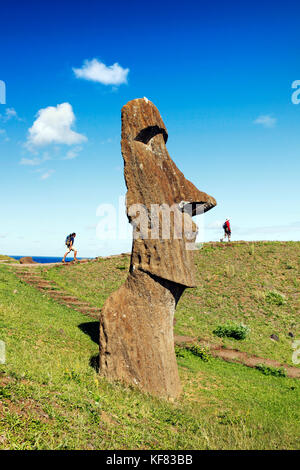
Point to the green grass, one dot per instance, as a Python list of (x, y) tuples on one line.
[(93, 281), (51, 395), (267, 370), (238, 283), (8, 259)]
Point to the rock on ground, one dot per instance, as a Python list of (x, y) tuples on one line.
[(27, 260)]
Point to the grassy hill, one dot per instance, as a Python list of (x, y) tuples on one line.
[(7, 259), (51, 395), (236, 283)]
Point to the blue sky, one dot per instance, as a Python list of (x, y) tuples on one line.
[(220, 73)]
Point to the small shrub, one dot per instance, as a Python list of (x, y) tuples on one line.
[(252, 250), (179, 351), (232, 330), (198, 351), (273, 297), (268, 370)]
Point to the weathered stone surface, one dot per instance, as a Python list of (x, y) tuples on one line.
[(136, 324), (153, 178), (136, 334)]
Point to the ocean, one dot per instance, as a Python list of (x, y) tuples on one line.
[(47, 259)]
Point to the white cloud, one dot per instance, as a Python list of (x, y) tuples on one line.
[(30, 161), (3, 133), (73, 153), (53, 126), (106, 141), (10, 113), (47, 174), (97, 71), (35, 161), (272, 229), (266, 120), (216, 225)]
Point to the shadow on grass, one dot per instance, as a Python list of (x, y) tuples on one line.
[(91, 329), (94, 363)]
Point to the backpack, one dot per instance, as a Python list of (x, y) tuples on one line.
[(225, 226), (68, 240)]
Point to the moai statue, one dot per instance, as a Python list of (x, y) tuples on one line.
[(136, 324)]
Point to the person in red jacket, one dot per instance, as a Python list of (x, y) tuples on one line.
[(227, 230)]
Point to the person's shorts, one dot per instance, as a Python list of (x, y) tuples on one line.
[(72, 248)]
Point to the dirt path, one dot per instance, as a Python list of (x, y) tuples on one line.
[(234, 355), (53, 290)]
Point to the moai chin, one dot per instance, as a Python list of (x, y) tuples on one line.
[(136, 324)]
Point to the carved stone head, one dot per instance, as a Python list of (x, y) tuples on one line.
[(160, 200)]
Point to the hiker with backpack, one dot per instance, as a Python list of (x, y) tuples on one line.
[(227, 230), (70, 244)]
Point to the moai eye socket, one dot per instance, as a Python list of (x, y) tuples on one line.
[(146, 134)]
